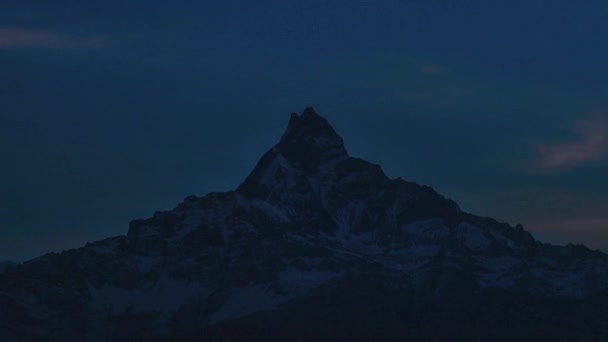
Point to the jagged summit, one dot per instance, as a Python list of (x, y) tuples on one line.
[(310, 146), (310, 141), (309, 124)]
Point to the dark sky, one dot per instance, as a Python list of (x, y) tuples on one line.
[(110, 110)]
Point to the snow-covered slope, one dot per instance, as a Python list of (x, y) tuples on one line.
[(309, 220)]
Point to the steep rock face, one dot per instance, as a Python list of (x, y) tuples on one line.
[(310, 227), (310, 171)]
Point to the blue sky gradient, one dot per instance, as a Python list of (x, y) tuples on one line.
[(112, 110)]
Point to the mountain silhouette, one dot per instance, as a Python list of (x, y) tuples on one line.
[(313, 244)]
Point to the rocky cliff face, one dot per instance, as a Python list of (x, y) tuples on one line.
[(310, 236)]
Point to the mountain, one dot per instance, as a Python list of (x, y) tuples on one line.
[(313, 244), (5, 265)]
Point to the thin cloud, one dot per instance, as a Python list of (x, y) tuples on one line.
[(591, 146), (573, 225), (19, 38), (431, 69)]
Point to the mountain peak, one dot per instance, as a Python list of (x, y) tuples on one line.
[(309, 123), (310, 141), (309, 111), (308, 144)]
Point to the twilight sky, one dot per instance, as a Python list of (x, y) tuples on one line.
[(110, 110)]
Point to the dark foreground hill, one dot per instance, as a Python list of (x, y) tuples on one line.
[(313, 244)]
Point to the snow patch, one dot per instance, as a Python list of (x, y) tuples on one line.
[(501, 238), (247, 300), (363, 244), (495, 269), (270, 210), (297, 281), (346, 218), (427, 229), (268, 178), (474, 237)]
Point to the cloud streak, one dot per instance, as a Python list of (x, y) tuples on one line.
[(431, 69), (591, 146), (20, 38)]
